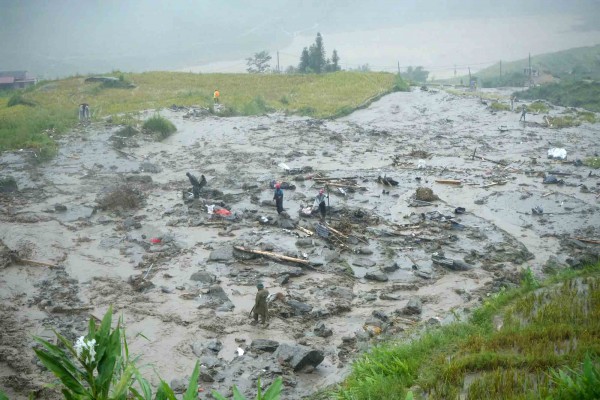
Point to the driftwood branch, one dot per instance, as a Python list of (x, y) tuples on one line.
[(274, 256), (449, 181)]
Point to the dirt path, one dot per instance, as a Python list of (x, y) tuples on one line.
[(196, 295)]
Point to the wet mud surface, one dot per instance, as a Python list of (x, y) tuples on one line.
[(390, 262)]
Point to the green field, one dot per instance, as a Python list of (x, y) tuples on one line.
[(537, 341), (51, 107)]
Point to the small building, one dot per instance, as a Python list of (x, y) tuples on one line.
[(16, 79)]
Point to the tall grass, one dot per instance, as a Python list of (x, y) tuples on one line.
[(160, 126), (521, 343), (57, 101)]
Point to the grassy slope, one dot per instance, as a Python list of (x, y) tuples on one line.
[(542, 329), (57, 101)]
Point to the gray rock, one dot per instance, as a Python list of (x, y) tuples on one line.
[(369, 296), (264, 345), (330, 255), (380, 315), (178, 385), (204, 277), (376, 276), (297, 356), (321, 330), (388, 296), (226, 307), (129, 223), (391, 268), (414, 307), (205, 375), (299, 308), (286, 223), (165, 289), (283, 279), (210, 361), (305, 242), (224, 253), (198, 349), (364, 250), (214, 345), (363, 262), (60, 207), (8, 184), (150, 167)]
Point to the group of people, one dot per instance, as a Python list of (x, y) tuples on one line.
[(319, 202)]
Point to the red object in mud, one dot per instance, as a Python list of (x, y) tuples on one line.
[(155, 240), (223, 212)]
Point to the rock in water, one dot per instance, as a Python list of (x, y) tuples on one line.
[(297, 356)]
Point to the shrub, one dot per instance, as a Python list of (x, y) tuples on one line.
[(497, 106), (578, 385), (256, 106), (400, 85), (17, 99), (592, 162), (538, 107), (159, 125)]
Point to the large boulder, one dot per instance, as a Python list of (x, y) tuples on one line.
[(376, 276), (203, 277), (224, 253), (414, 307), (297, 356), (298, 307)]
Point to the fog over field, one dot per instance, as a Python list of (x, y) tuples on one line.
[(63, 37)]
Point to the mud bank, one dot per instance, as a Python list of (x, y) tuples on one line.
[(170, 268)]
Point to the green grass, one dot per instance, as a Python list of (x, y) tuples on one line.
[(547, 330), (497, 106), (160, 126), (538, 107), (592, 162), (56, 102), (584, 94)]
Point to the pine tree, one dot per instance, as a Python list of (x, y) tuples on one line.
[(335, 61), (317, 55), (304, 62)]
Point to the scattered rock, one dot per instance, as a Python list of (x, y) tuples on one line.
[(264, 345), (305, 242), (425, 194), (414, 307), (60, 207), (203, 277), (214, 345), (150, 167), (321, 330), (179, 385), (8, 184), (297, 356), (363, 262), (376, 276), (299, 308), (224, 253), (391, 268)]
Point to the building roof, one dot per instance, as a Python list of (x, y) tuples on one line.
[(17, 75), (7, 80)]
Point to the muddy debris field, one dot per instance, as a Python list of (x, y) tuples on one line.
[(431, 208)]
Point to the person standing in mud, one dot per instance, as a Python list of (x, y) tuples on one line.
[(260, 304), (523, 113), (320, 204), (216, 96), (278, 197)]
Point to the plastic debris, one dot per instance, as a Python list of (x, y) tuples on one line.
[(155, 240), (240, 351), (557, 153), (283, 166), (210, 209)]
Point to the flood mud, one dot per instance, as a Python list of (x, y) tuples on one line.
[(119, 225)]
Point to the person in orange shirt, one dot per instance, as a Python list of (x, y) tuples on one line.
[(216, 96)]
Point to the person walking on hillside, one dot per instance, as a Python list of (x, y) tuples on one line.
[(523, 113), (512, 103), (320, 203), (260, 305), (278, 197), (216, 96)]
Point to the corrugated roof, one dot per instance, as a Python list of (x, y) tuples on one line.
[(7, 79)]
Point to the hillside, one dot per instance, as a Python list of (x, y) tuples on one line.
[(33, 119)]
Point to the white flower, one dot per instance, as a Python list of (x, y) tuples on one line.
[(85, 350)]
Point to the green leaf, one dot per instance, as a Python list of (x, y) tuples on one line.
[(259, 392), (92, 327), (3, 396), (105, 373), (165, 392), (59, 354), (237, 395), (218, 396), (274, 391), (192, 391), (68, 380), (409, 395), (123, 385)]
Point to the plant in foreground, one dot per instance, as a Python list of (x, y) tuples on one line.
[(571, 384), (273, 392)]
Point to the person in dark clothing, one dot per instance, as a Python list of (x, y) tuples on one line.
[(320, 203), (278, 197), (260, 304), (196, 185), (523, 113)]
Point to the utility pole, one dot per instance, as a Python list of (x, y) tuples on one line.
[(278, 71), (398, 67)]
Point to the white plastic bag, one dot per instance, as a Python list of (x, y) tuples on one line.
[(557, 153)]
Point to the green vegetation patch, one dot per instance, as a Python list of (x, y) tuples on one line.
[(584, 94), (497, 106), (538, 107), (593, 162), (160, 126), (541, 340)]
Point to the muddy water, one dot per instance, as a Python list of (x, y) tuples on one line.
[(99, 251)]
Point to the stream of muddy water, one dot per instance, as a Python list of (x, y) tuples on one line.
[(190, 293)]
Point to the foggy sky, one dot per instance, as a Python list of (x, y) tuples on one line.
[(55, 38)]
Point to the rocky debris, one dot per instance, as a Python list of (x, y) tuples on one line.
[(455, 265), (321, 330), (363, 262), (298, 356), (216, 298), (150, 167), (131, 223), (7, 256), (376, 276), (8, 184), (60, 207), (299, 308), (305, 242), (414, 307), (390, 268), (265, 345), (425, 194), (179, 385), (120, 197), (203, 277), (224, 253)]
